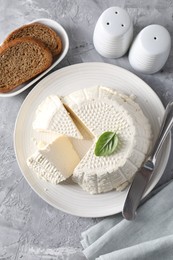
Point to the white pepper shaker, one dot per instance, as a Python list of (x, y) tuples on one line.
[(150, 49), (113, 33)]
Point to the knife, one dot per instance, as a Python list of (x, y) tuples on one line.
[(144, 174)]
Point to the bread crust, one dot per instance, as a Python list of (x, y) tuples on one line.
[(35, 26), (5, 48)]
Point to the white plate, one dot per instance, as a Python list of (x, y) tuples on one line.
[(69, 197), (65, 41)]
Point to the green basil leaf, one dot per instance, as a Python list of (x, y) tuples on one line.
[(106, 144)]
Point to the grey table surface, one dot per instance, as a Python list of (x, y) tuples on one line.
[(29, 227)]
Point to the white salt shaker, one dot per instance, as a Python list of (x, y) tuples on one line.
[(150, 49), (113, 33)]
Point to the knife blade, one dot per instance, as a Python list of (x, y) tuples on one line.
[(137, 188), (144, 174)]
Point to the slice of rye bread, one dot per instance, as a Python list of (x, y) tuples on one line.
[(41, 32), (21, 60)]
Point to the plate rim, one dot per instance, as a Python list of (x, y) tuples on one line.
[(32, 93)]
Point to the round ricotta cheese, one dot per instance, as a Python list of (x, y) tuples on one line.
[(102, 109)]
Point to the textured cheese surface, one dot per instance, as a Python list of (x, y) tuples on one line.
[(54, 162), (102, 109), (51, 116)]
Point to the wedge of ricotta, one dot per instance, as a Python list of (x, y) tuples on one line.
[(52, 117), (54, 162), (102, 109)]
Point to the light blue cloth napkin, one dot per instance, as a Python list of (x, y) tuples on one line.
[(149, 236)]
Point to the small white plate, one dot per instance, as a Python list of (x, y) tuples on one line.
[(65, 41), (69, 197)]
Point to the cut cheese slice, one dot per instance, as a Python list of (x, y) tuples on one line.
[(81, 146), (52, 117), (102, 109), (54, 162)]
